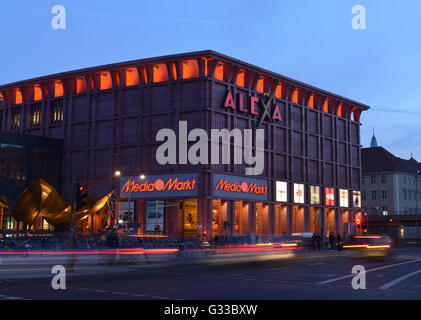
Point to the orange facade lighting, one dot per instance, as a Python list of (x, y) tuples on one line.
[(260, 85), (37, 92), (81, 86), (221, 71), (356, 112), (105, 81), (18, 97), (132, 77), (58, 89), (278, 91), (116, 79), (326, 106), (190, 69), (240, 81), (159, 72), (311, 102), (173, 71), (207, 64), (295, 96), (340, 110)]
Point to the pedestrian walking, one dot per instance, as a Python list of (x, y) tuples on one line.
[(313, 241), (318, 241), (331, 240), (339, 242)]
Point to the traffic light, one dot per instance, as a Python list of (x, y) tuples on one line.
[(358, 221), (80, 193)]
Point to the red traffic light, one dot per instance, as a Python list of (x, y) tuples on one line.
[(83, 189), (357, 220)]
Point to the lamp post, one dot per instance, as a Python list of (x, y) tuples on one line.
[(117, 173)]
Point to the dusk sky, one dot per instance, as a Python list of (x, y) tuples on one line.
[(310, 41)]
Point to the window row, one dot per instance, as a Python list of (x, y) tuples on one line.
[(35, 115)]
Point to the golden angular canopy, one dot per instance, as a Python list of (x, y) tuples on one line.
[(41, 199)]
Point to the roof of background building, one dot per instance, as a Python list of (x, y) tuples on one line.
[(378, 159), (373, 143)]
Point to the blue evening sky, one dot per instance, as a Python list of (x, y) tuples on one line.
[(308, 40)]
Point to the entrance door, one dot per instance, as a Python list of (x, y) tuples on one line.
[(244, 218), (216, 217), (280, 219), (329, 222), (345, 224), (298, 219), (262, 218), (314, 220)]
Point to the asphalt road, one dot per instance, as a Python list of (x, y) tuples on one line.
[(325, 275)]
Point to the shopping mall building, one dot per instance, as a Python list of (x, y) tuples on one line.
[(121, 117)]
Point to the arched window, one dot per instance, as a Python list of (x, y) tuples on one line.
[(260, 85), (190, 69), (18, 96), (278, 91), (173, 71), (240, 78), (37, 92), (105, 81), (132, 77), (159, 72), (326, 106), (81, 85), (295, 96), (221, 71), (340, 110), (58, 89), (311, 102)]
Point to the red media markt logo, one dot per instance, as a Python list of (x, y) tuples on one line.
[(244, 187), (172, 184)]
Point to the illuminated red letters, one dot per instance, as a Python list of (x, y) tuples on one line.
[(223, 185), (229, 101), (160, 185), (253, 102)]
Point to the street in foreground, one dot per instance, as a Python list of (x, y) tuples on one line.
[(324, 275)]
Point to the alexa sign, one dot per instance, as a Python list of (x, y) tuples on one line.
[(252, 107)]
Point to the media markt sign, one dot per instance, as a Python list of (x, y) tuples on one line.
[(234, 187), (157, 186)]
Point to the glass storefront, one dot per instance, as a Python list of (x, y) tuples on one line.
[(190, 218), (281, 220), (262, 218), (155, 217), (298, 220), (314, 220), (329, 222)]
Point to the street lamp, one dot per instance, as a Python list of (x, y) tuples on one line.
[(117, 173)]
